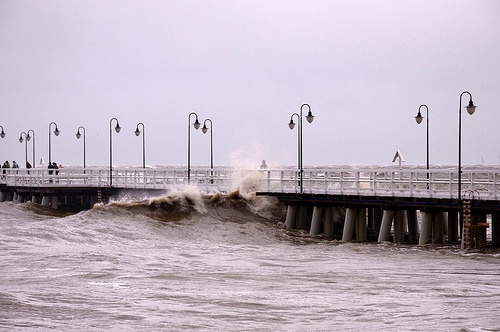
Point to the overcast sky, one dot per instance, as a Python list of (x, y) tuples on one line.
[(364, 67)]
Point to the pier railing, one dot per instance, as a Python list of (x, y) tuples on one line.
[(386, 182), (440, 183)]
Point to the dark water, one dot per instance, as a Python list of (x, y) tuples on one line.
[(182, 262)]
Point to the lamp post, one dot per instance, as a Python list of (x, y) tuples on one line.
[(310, 119), (117, 129), (204, 130), (470, 109), (78, 135), (137, 133), (28, 138), (419, 119), (2, 134), (56, 132), (196, 125), (25, 140)]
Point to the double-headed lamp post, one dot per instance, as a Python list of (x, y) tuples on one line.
[(471, 108), (2, 133), (25, 140), (78, 135), (28, 138), (291, 125), (196, 125), (117, 129), (137, 133), (56, 132)]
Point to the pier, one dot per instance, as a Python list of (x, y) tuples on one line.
[(346, 203)]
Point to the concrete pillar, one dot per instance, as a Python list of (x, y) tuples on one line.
[(9, 196), (301, 217), (35, 199), (438, 227), (328, 221), (20, 198), (385, 227), (425, 228), (350, 219), (377, 219), (495, 229), (361, 225), (291, 215), (452, 226), (2, 196), (399, 226), (480, 233), (46, 200), (411, 216), (15, 196), (55, 202), (316, 220)]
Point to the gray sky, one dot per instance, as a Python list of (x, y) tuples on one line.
[(364, 67)]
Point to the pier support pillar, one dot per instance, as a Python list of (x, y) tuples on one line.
[(291, 214), (328, 221), (15, 196), (361, 225), (2, 196), (438, 227), (495, 229), (385, 227), (350, 219), (412, 220), (399, 226), (46, 200), (9, 196), (35, 199), (301, 217), (425, 228), (20, 198), (316, 220), (55, 202), (480, 232), (452, 226)]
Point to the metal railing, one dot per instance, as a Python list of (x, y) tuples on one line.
[(419, 183)]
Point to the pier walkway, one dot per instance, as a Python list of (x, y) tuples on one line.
[(382, 182), (375, 200)]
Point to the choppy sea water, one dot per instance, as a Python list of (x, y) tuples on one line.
[(187, 262)]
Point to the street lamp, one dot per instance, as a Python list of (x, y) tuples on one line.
[(137, 133), (2, 134), (196, 125), (56, 132), (25, 140), (78, 135), (470, 109), (291, 125), (419, 119), (204, 130), (117, 129), (28, 138)]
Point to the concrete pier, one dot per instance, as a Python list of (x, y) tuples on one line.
[(385, 228), (317, 220), (291, 216), (328, 222), (349, 223)]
